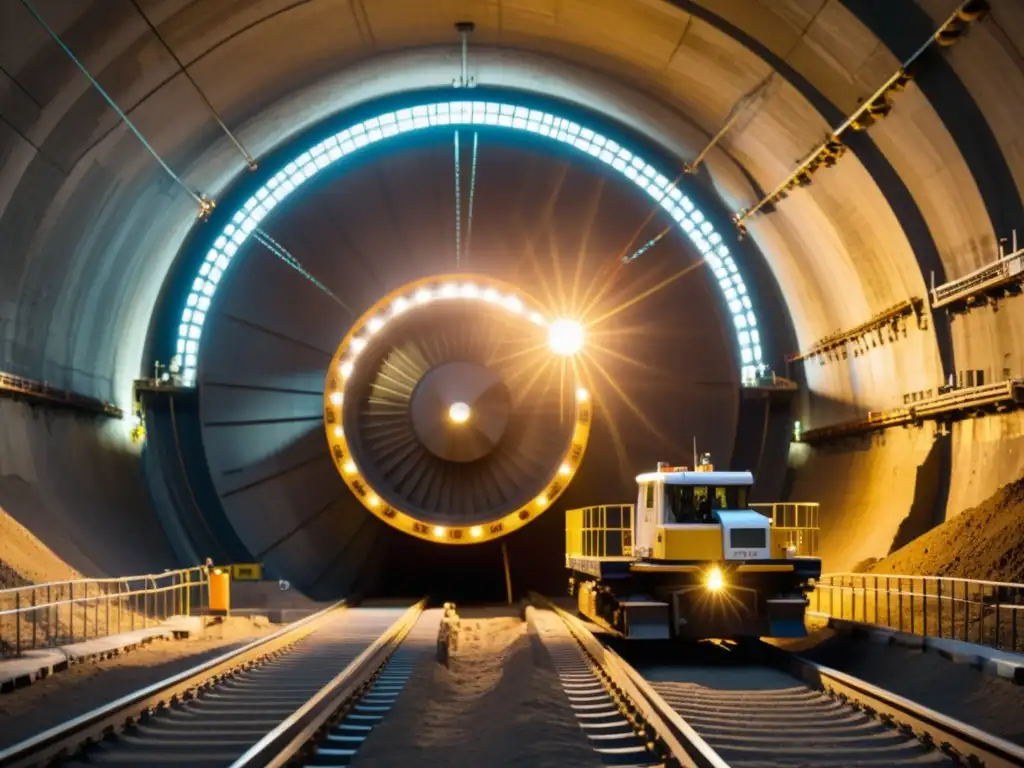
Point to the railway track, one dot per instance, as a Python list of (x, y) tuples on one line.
[(755, 705), (263, 704)]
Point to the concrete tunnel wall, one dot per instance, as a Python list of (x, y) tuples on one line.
[(930, 188)]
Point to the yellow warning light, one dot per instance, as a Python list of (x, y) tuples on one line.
[(339, 432), (476, 531), (541, 500), (438, 531), (565, 469), (336, 398), (350, 468), (582, 395), (373, 500)]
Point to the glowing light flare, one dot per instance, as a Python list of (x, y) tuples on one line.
[(350, 468), (582, 395), (476, 531), (565, 337), (459, 413), (439, 531), (714, 580), (336, 398), (565, 469)]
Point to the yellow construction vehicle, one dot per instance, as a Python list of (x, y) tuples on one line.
[(689, 560)]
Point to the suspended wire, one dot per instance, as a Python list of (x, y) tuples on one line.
[(204, 204), (472, 193), (249, 159), (284, 255), (646, 246), (458, 209)]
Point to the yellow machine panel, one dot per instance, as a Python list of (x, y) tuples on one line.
[(247, 572), (691, 542)]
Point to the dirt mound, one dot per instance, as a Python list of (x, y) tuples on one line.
[(983, 542)]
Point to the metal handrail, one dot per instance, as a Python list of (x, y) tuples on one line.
[(62, 612), (283, 743), (989, 613), (103, 579)]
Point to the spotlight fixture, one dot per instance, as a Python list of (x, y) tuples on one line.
[(459, 413), (565, 337)]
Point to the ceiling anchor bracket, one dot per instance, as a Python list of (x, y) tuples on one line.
[(464, 80)]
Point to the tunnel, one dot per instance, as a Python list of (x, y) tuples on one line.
[(204, 205)]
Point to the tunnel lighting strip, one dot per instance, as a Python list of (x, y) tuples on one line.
[(410, 298), (309, 163)]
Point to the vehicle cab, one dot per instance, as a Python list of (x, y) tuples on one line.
[(699, 515)]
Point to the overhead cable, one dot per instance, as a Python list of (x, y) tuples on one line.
[(284, 255), (205, 205), (249, 159)]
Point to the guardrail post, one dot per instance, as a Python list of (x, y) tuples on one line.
[(96, 612), (49, 622), (967, 613), (899, 599), (998, 601), (888, 599), (17, 623), (924, 598), (33, 618), (912, 606), (71, 607)]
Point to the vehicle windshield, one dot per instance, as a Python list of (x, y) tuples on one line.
[(694, 503)]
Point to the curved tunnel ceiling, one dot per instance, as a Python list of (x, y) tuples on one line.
[(285, 178), (928, 190)]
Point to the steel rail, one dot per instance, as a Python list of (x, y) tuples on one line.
[(291, 737), (106, 720), (965, 743), (684, 744)]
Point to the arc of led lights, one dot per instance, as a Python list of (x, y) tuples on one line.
[(499, 115), (410, 298)]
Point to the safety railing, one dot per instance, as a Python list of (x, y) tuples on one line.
[(63, 612), (605, 530), (984, 612), (795, 522)]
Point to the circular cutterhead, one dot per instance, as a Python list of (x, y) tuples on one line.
[(448, 413)]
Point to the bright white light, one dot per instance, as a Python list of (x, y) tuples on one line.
[(582, 395), (336, 398), (358, 345), (470, 291), (400, 306), (449, 291), (458, 413), (513, 304), (375, 324), (339, 432), (346, 369), (536, 318), (714, 580), (439, 531), (565, 337), (565, 469), (309, 162)]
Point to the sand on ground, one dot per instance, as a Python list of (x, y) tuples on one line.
[(83, 687), (983, 542), (499, 703)]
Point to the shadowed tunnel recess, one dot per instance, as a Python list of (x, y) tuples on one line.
[(553, 225)]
